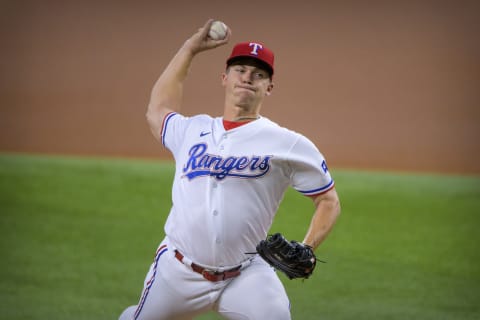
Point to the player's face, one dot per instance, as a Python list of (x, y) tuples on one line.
[(246, 85)]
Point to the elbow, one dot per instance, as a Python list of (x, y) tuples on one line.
[(155, 114), (154, 117), (334, 203), (337, 208), (153, 124), (152, 112), (150, 117)]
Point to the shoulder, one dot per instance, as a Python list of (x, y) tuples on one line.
[(180, 119), (202, 118), (194, 118), (178, 123), (177, 126), (296, 142), (285, 133), (271, 125)]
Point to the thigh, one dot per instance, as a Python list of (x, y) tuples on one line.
[(256, 294), (172, 290)]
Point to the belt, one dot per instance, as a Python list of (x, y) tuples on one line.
[(211, 275)]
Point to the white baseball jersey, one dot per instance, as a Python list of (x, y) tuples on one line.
[(228, 184)]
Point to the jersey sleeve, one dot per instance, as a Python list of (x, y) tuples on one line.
[(309, 171), (173, 130)]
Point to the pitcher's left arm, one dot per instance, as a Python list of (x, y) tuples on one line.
[(327, 209)]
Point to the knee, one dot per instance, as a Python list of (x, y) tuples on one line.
[(128, 313), (273, 310)]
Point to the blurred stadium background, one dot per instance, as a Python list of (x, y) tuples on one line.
[(375, 84)]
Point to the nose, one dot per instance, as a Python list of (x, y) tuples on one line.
[(247, 77)]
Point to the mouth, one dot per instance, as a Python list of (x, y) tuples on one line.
[(244, 87)]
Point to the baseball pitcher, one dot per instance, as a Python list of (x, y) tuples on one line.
[(230, 176)]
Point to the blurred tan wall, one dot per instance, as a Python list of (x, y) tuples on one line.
[(375, 84)]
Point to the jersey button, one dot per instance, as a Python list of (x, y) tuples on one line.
[(218, 241), (215, 212), (214, 185)]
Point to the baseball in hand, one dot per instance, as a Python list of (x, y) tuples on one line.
[(218, 30)]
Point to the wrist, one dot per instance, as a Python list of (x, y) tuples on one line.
[(188, 49), (307, 244), (310, 243)]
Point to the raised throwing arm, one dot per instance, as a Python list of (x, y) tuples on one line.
[(167, 93)]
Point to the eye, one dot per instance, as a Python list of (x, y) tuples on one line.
[(260, 75)]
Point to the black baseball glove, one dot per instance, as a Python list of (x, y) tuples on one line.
[(295, 259)]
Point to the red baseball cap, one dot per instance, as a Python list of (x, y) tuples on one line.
[(253, 50)]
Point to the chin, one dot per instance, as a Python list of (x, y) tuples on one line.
[(245, 103)]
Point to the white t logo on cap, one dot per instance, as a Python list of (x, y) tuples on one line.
[(255, 46)]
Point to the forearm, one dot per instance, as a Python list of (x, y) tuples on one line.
[(323, 220)]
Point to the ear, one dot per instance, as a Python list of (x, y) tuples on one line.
[(269, 89), (224, 79)]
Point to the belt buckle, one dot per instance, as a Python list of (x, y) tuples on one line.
[(208, 272), (213, 275)]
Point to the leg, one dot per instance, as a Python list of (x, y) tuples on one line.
[(128, 313), (257, 294), (160, 307), (171, 291)]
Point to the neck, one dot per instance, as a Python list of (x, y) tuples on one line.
[(237, 114), (245, 118), (241, 112)]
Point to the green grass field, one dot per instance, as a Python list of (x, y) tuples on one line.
[(78, 235)]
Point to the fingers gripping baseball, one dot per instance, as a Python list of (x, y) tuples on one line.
[(201, 40)]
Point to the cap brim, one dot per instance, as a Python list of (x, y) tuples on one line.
[(249, 60)]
